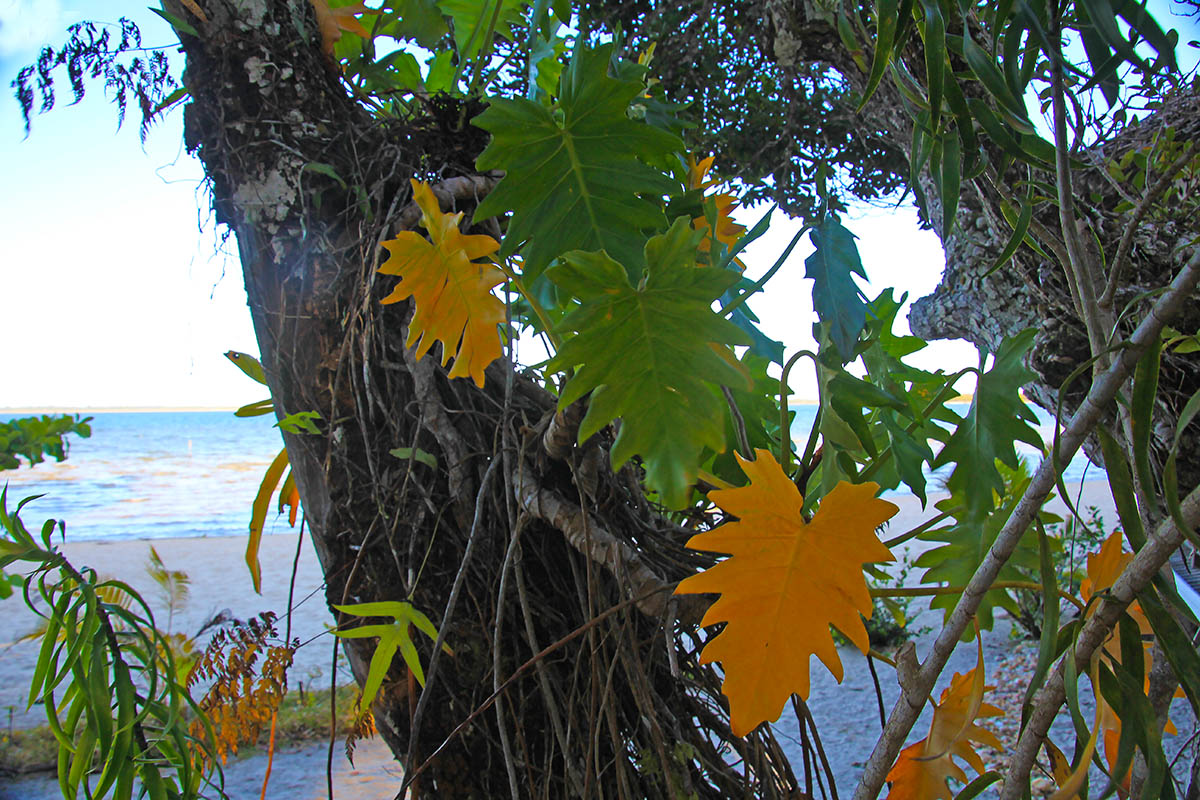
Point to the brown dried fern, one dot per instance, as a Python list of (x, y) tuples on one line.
[(242, 698)]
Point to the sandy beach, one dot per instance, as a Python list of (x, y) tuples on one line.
[(221, 581)]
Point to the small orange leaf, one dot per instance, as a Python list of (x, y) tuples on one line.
[(332, 21), (921, 771), (1103, 569), (452, 294), (785, 583), (726, 231)]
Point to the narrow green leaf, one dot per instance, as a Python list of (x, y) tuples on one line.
[(178, 23), (976, 787), (1120, 482), (1047, 652), (416, 454), (384, 608), (1020, 231), (409, 653), (950, 180), (935, 58), (327, 169), (986, 71), (1145, 389), (1170, 477), (1175, 644), (886, 20), (249, 365), (256, 409)]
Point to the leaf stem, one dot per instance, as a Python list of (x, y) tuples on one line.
[(785, 434), (538, 310)]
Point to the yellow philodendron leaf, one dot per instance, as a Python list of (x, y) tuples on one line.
[(785, 582), (1103, 569), (331, 22), (452, 294), (921, 771), (726, 231)]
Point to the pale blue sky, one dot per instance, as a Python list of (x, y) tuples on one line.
[(114, 287)]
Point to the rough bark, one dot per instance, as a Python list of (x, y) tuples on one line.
[(620, 711)]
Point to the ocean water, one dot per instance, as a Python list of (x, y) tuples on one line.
[(153, 475), (145, 475)]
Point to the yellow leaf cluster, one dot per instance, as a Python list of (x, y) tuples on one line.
[(787, 580), (452, 293), (921, 771)]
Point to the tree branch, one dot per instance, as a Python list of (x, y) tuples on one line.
[(1095, 405), (590, 538), (1136, 576), (1148, 201)]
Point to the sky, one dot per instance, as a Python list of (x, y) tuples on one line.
[(116, 289)]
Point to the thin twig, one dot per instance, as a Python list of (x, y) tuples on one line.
[(1147, 202), (459, 579), (1094, 406), (1136, 576), (584, 628)]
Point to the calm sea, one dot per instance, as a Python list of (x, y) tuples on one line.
[(157, 475)]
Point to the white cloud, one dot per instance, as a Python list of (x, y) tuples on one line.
[(26, 25)]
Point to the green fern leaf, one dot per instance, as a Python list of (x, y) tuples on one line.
[(644, 353)]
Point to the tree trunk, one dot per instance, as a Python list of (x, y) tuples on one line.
[(506, 549)]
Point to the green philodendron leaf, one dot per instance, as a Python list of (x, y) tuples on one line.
[(574, 173), (645, 356), (419, 20), (836, 297), (472, 18), (440, 77), (909, 454), (997, 419), (964, 545)]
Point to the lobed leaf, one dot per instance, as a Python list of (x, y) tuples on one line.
[(452, 294), (785, 583), (996, 420), (836, 297), (574, 174), (644, 353)]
